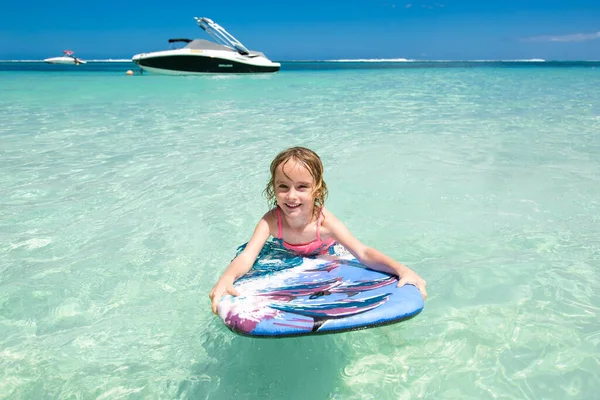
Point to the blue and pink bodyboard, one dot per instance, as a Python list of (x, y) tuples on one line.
[(288, 295)]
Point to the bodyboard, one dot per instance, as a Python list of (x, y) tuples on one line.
[(288, 295)]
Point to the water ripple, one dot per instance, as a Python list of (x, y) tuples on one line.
[(122, 200)]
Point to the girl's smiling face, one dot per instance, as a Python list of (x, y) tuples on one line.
[(294, 188)]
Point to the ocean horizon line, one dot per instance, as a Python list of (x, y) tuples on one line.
[(346, 60)]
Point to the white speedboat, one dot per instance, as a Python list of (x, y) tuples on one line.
[(67, 58), (200, 56)]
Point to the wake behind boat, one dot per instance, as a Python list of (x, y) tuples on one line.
[(67, 58), (198, 56)]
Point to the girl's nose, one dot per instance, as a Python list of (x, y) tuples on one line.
[(291, 194)]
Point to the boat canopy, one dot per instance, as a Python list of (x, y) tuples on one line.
[(201, 44)]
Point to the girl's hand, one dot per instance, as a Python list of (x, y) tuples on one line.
[(411, 278), (219, 290)]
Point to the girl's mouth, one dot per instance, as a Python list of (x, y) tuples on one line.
[(293, 205)]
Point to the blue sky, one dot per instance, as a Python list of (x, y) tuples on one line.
[(310, 29)]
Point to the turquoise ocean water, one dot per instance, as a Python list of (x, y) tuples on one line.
[(123, 198)]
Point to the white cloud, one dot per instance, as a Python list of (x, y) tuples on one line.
[(575, 37), (424, 5)]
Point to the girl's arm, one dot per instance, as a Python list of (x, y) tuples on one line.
[(241, 264), (370, 257)]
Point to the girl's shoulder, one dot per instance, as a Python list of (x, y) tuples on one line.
[(327, 217), (330, 221), (326, 213), (271, 215)]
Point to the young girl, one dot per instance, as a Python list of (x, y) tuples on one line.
[(303, 225)]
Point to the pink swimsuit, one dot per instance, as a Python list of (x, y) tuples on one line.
[(315, 247)]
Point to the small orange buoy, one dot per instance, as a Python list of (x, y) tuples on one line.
[(130, 72)]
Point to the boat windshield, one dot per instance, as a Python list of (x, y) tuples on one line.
[(179, 42)]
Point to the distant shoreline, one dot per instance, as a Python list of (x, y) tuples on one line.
[(358, 60), (89, 61)]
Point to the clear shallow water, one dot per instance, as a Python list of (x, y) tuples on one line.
[(122, 199)]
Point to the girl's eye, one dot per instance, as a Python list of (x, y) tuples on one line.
[(282, 186), (302, 187)]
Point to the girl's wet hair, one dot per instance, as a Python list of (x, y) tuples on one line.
[(313, 164)]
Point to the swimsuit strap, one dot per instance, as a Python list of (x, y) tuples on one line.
[(279, 225), (319, 219)]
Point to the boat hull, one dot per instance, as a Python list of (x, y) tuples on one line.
[(64, 60), (188, 64)]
